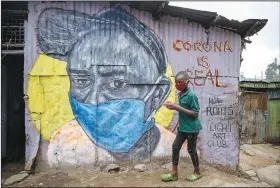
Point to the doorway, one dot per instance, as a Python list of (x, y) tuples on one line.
[(12, 109)]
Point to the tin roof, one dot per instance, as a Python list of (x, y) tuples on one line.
[(259, 84), (207, 19)]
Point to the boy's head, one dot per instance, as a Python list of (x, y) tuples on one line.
[(182, 80)]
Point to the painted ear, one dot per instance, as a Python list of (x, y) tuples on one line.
[(59, 29), (161, 93)]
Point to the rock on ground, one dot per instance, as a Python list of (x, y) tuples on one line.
[(140, 168), (15, 179), (244, 167), (270, 175), (264, 150), (251, 173), (112, 167), (255, 179), (264, 184), (167, 166), (247, 150)]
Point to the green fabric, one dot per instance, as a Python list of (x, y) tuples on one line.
[(193, 177), (189, 101), (168, 177)]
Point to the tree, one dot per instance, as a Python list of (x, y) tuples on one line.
[(271, 71)]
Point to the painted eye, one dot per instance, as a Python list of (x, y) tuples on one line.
[(117, 84), (81, 81)]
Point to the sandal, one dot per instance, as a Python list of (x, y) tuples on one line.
[(168, 177), (193, 177)]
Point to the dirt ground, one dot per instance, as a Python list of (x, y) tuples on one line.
[(263, 155), (260, 160), (127, 177)]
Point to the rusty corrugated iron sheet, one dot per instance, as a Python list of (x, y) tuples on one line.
[(253, 116), (245, 28)]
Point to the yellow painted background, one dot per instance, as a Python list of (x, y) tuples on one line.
[(48, 103)]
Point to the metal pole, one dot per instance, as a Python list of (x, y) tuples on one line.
[(12, 51)]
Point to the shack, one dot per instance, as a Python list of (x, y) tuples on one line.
[(95, 76), (259, 111)]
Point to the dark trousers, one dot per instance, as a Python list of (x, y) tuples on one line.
[(181, 137)]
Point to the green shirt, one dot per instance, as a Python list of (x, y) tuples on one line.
[(189, 100)]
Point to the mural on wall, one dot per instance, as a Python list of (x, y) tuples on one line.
[(116, 67), (99, 77)]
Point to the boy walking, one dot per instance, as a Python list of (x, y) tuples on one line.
[(189, 127)]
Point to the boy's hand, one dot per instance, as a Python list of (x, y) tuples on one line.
[(171, 105)]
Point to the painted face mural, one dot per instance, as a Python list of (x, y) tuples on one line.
[(96, 78), (116, 66)]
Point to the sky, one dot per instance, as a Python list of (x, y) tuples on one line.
[(265, 45)]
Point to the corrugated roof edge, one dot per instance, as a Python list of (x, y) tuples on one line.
[(258, 81), (254, 81), (207, 19)]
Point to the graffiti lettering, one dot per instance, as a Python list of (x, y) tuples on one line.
[(227, 46), (220, 134), (203, 61), (218, 143), (217, 110), (218, 47), (215, 100), (221, 128), (179, 45), (200, 77)]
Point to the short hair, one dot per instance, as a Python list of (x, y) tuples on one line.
[(182, 74)]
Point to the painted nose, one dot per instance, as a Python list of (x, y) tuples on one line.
[(92, 97)]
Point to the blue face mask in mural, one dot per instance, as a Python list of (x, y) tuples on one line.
[(115, 125)]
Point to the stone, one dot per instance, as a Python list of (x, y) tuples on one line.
[(249, 152), (126, 170), (93, 178), (264, 184), (270, 175), (112, 167), (41, 184), (215, 183), (140, 168), (255, 179), (97, 170), (167, 166), (251, 173), (15, 179), (244, 167)]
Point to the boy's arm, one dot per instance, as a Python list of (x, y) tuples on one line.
[(189, 113)]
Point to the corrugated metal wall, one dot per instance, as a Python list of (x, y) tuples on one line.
[(215, 82), (273, 134), (254, 117)]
